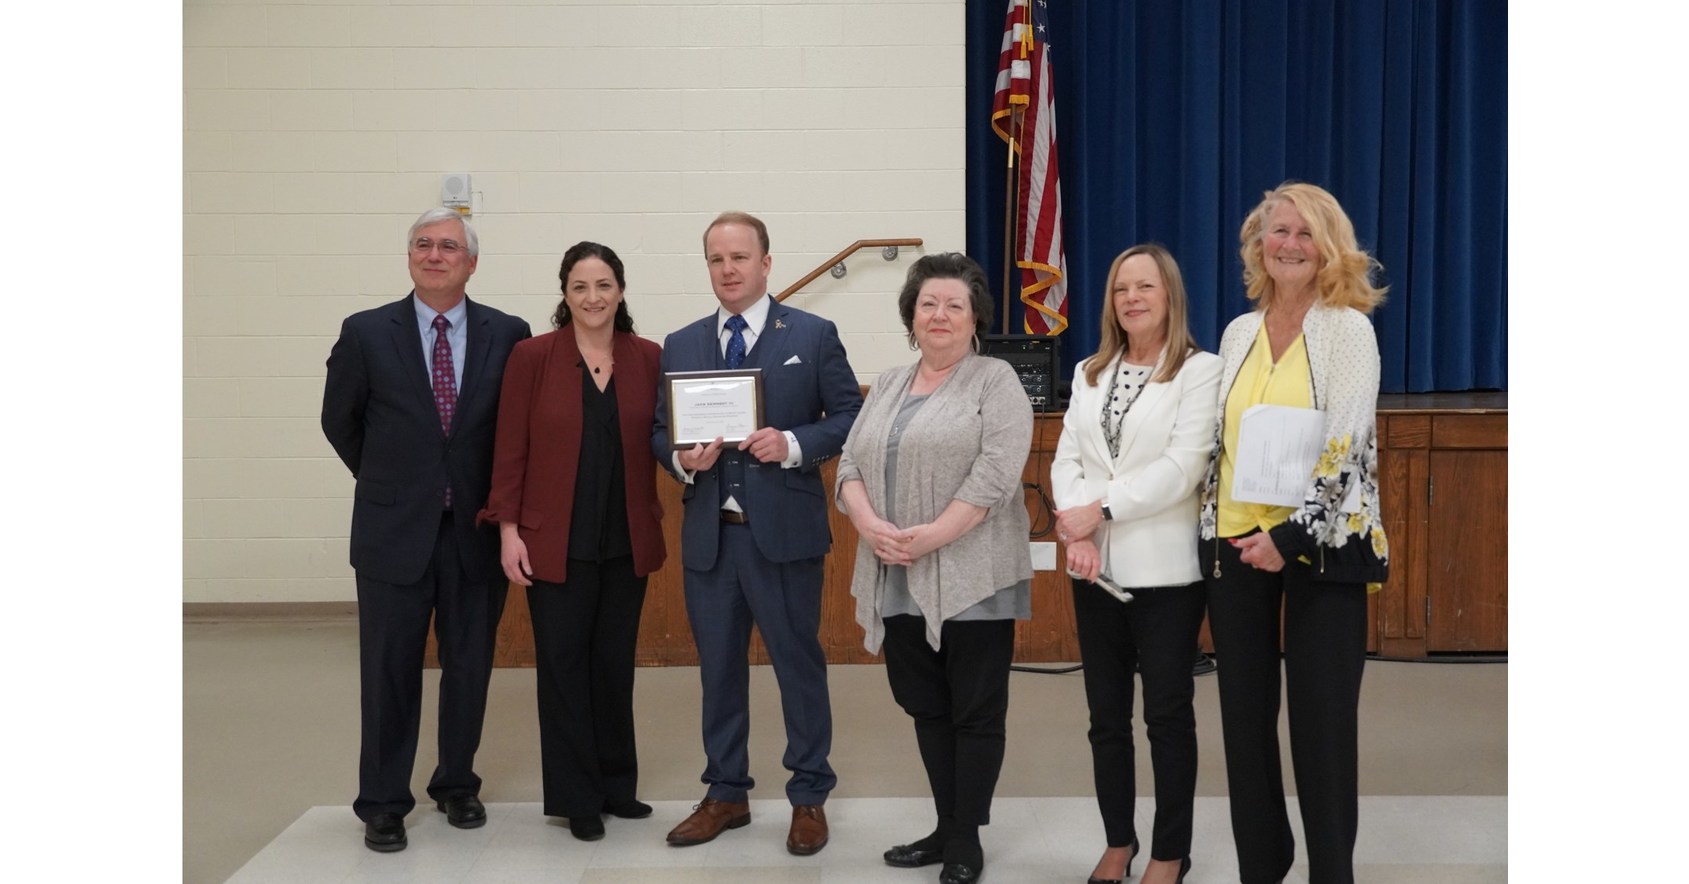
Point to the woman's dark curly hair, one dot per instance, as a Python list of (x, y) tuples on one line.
[(584, 249), (948, 265)]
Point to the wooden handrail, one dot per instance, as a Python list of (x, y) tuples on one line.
[(849, 250)]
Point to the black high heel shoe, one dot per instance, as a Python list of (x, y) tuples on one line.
[(1129, 861), (1184, 869)]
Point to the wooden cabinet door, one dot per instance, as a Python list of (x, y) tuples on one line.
[(1467, 557), (1399, 609)]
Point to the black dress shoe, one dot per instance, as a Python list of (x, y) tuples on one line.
[(463, 811), (627, 808), (964, 863), (913, 856), (587, 828), (385, 833), (960, 873)]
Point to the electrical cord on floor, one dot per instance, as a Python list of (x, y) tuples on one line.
[(1062, 671), (1464, 658), (1204, 665)]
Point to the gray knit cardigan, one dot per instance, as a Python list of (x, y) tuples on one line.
[(969, 443)]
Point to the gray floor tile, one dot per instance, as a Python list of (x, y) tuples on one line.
[(270, 743)]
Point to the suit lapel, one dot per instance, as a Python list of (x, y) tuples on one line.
[(564, 371), (1142, 410), (1092, 429), (480, 341), (772, 340), (407, 342), (709, 339), (631, 370)]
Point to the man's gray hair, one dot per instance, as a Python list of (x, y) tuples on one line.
[(435, 216)]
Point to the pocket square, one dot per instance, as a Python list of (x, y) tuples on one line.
[(792, 361)]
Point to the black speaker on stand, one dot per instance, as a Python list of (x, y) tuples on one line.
[(1037, 359)]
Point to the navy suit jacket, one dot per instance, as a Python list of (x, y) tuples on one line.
[(809, 389), (379, 414)]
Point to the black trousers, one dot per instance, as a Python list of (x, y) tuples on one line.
[(958, 696), (1153, 634), (585, 630), (1324, 627), (392, 638)]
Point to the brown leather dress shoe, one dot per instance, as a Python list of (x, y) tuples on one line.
[(809, 830), (708, 819)]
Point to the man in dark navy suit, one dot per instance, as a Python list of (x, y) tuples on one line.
[(409, 405), (754, 532)]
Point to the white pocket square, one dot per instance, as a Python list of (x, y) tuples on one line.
[(792, 361)]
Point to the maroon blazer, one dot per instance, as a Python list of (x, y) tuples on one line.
[(538, 448)]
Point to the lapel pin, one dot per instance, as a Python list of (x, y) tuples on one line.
[(779, 324)]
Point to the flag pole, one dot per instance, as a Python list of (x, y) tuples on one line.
[(1011, 215)]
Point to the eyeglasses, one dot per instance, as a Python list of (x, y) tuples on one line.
[(448, 247)]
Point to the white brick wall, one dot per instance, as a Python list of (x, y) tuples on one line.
[(314, 132)]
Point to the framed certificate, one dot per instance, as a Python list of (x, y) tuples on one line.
[(705, 405)]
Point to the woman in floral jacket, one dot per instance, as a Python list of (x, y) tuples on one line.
[(1307, 344)]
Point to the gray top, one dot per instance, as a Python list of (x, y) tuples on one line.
[(1009, 603), (968, 442)]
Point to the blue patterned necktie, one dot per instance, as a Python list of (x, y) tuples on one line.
[(736, 343)]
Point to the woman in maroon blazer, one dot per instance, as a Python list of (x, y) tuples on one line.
[(575, 498)]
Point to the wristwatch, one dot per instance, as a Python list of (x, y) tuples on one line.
[(1108, 516)]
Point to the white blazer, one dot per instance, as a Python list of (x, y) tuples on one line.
[(1151, 488)]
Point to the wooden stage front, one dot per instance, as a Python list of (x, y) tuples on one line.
[(1443, 468)]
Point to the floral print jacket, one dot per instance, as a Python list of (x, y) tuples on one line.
[(1343, 361)]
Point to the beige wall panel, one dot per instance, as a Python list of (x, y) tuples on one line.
[(314, 132), (308, 26)]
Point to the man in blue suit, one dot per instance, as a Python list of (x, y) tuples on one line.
[(409, 405), (755, 530)]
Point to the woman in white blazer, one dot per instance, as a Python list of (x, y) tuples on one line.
[(1133, 450)]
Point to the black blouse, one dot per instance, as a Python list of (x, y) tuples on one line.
[(598, 530)]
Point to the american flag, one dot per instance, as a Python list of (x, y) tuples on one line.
[(1024, 84)]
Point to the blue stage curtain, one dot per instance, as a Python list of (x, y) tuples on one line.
[(1174, 117)]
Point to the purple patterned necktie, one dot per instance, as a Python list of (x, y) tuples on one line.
[(445, 386)]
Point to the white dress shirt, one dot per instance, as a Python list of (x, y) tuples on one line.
[(756, 316)]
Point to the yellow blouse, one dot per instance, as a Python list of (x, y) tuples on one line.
[(1260, 381)]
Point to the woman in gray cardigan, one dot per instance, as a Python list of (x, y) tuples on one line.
[(931, 478)]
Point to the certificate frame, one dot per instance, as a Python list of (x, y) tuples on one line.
[(704, 405)]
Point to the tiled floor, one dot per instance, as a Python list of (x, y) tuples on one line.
[(270, 744), (1031, 840)]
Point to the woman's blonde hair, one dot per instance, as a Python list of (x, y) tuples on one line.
[(1345, 274), (1179, 341)]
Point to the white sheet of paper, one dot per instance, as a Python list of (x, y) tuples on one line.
[(1277, 447)]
